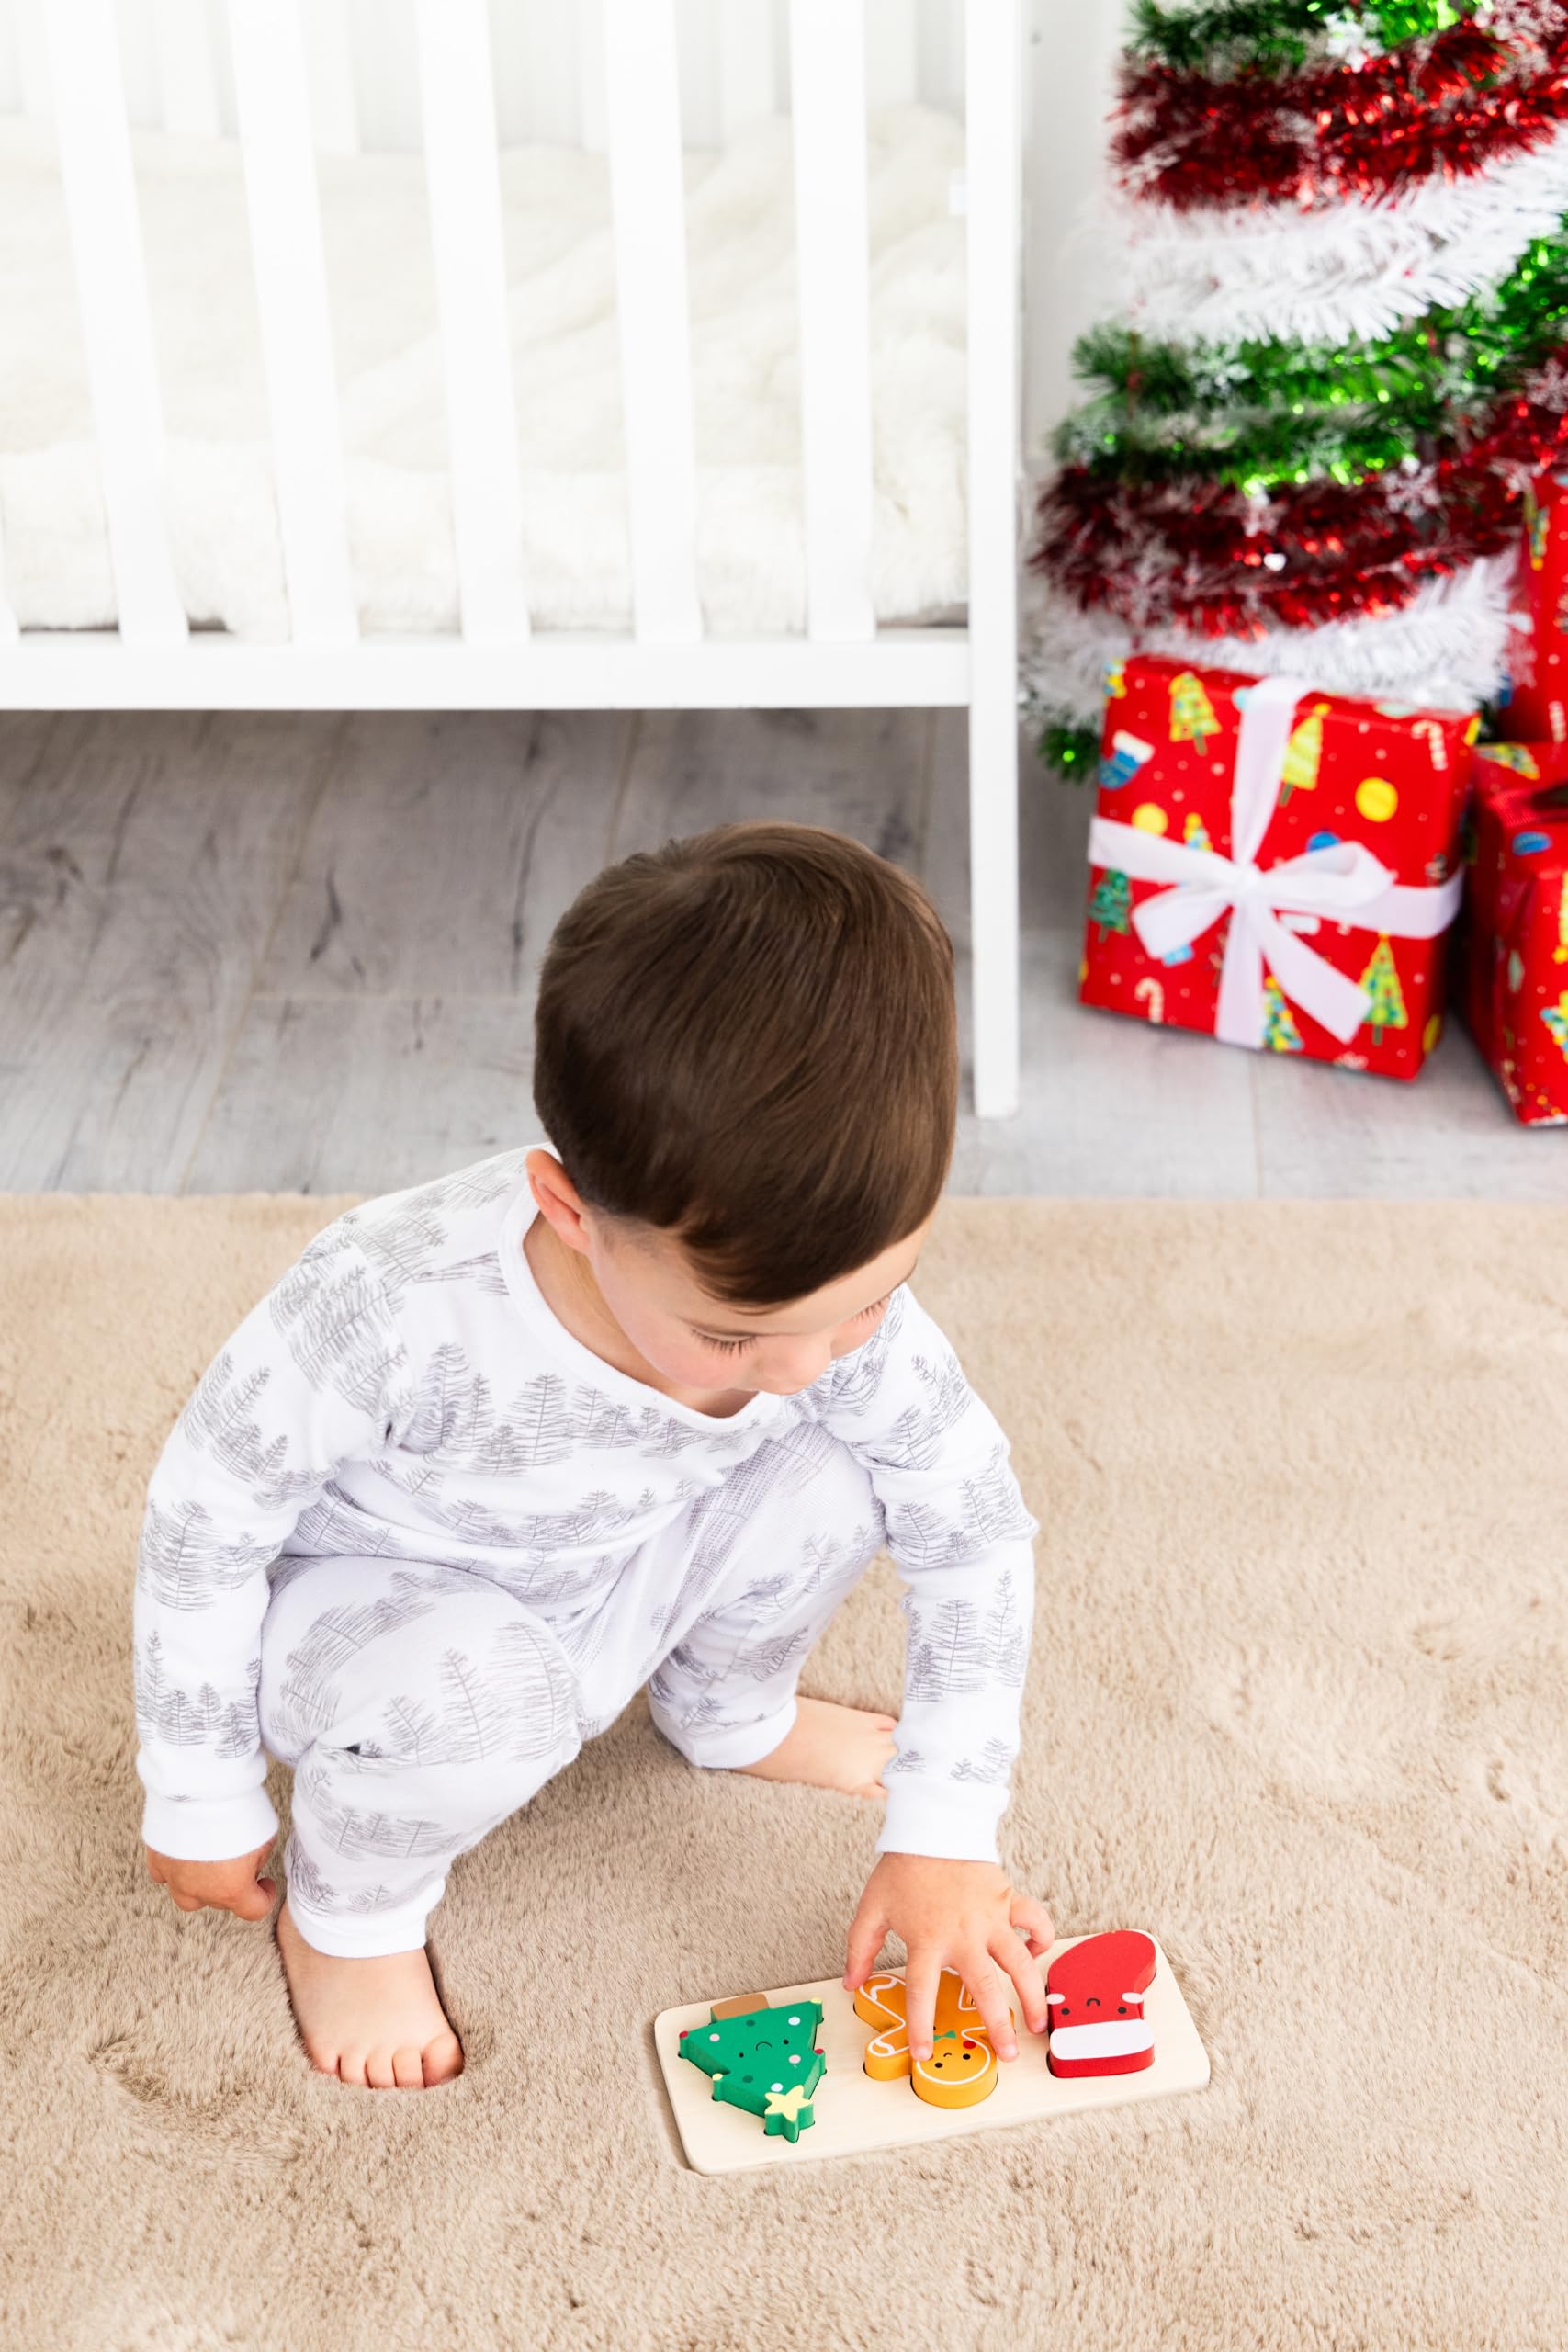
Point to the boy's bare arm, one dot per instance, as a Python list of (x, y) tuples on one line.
[(220, 1886)]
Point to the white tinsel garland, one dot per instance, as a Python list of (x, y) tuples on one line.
[(1347, 270), (1447, 647)]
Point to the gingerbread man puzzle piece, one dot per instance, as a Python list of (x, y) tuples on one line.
[(1095, 1994), (961, 2068)]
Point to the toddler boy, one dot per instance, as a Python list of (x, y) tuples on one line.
[(636, 1404)]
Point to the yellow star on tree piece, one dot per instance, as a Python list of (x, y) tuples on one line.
[(788, 2103)]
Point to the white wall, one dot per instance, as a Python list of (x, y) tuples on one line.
[(915, 50), (1073, 47)]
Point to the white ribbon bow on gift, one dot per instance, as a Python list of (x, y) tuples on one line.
[(1342, 881)]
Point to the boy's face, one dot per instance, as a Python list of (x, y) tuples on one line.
[(644, 1285)]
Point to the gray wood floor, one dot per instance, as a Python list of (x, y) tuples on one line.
[(297, 953)]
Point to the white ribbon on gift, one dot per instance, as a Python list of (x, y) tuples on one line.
[(1342, 881)]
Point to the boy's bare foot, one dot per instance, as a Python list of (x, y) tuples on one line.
[(831, 1747), (377, 2023)]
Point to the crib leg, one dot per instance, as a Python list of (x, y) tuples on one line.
[(993, 898)]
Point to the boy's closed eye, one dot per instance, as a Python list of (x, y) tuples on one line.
[(734, 1347)]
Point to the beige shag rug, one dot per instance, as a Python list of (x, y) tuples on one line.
[(1298, 1702)]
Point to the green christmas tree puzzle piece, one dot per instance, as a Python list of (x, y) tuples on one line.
[(763, 2059)]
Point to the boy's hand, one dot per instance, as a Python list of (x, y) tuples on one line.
[(963, 1915), (227, 1886)]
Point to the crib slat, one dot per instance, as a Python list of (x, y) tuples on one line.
[(643, 118), (188, 77), (590, 77), (745, 65), (828, 98), (9, 632), (329, 69), (893, 46), (117, 324), (458, 100), (273, 107), (992, 142), (30, 33)]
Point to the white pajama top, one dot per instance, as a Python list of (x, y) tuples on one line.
[(405, 1390)]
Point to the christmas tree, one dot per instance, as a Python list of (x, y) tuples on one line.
[(762, 2058), (1380, 979), (1279, 1031), (1112, 903), (1556, 1018), (1342, 227)]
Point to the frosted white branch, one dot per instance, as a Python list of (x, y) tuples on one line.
[(1447, 647), (1346, 269)]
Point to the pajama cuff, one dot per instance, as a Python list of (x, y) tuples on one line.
[(208, 1829), (722, 1751), (368, 1935), (927, 1817)]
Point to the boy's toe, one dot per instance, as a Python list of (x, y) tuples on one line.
[(408, 2067), (443, 2058)]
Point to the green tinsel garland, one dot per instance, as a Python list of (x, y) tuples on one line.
[(1257, 414), (1234, 37), (1072, 748)]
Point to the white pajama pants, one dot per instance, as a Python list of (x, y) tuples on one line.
[(420, 1704)]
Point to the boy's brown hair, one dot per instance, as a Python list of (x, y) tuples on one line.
[(748, 1038)]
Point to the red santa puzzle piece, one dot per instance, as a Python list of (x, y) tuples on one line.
[(1096, 1996)]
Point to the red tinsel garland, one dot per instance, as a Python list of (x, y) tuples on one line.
[(1201, 554), (1352, 130)]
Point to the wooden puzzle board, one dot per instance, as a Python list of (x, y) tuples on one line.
[(854, 2114)]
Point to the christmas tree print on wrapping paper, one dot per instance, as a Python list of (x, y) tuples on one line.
[(763, 2058), (1556, 1018), (1192, 717), (1380, 979), (1112, 905), (1538, 519), (1279, 1032), (1303, 754)]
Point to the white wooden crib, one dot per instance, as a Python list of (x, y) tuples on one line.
[(495, 659)]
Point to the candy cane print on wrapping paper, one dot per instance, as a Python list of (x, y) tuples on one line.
[(1431, 734), (1150, 992), (1342, 881)]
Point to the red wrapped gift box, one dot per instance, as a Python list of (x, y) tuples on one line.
[(1274, 866), (1516, 940), (1537, 706)]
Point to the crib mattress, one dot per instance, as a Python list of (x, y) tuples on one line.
[(560, 285)]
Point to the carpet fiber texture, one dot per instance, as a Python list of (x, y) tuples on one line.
[(1296, 1704)]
